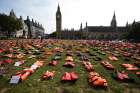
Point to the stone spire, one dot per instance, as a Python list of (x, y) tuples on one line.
[(28, 18), (21, 18), (86, 24), (114, 22), (58, 9), (12, 14), (127, 23), (81, 27)]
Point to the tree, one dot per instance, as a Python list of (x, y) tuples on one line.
[(101, 36), (9, 24), (53, 34), (134, 32)]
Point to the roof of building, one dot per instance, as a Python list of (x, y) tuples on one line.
[(104, 29), (35, 24)]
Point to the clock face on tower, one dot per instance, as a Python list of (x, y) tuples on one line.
[(58, 16)]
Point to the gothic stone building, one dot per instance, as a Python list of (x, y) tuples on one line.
[(35, 30), (30, 28), (90, 32)]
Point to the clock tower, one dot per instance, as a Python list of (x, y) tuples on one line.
[(58, 22)]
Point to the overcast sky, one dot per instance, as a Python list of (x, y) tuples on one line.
[(95, 12)]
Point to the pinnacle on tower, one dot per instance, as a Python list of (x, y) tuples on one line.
[(20, 18), (114, 22), (81, 26), (114, 16), (127, 23), (12, 13), (28, 18), (58, 10), (32, 20), (134, 22), (58, 7), (86, 24)]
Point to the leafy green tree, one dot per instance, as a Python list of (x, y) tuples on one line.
[(134, 32), (53, 34), (9, 24)]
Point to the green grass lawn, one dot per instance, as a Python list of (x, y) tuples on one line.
[(34, 83)]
